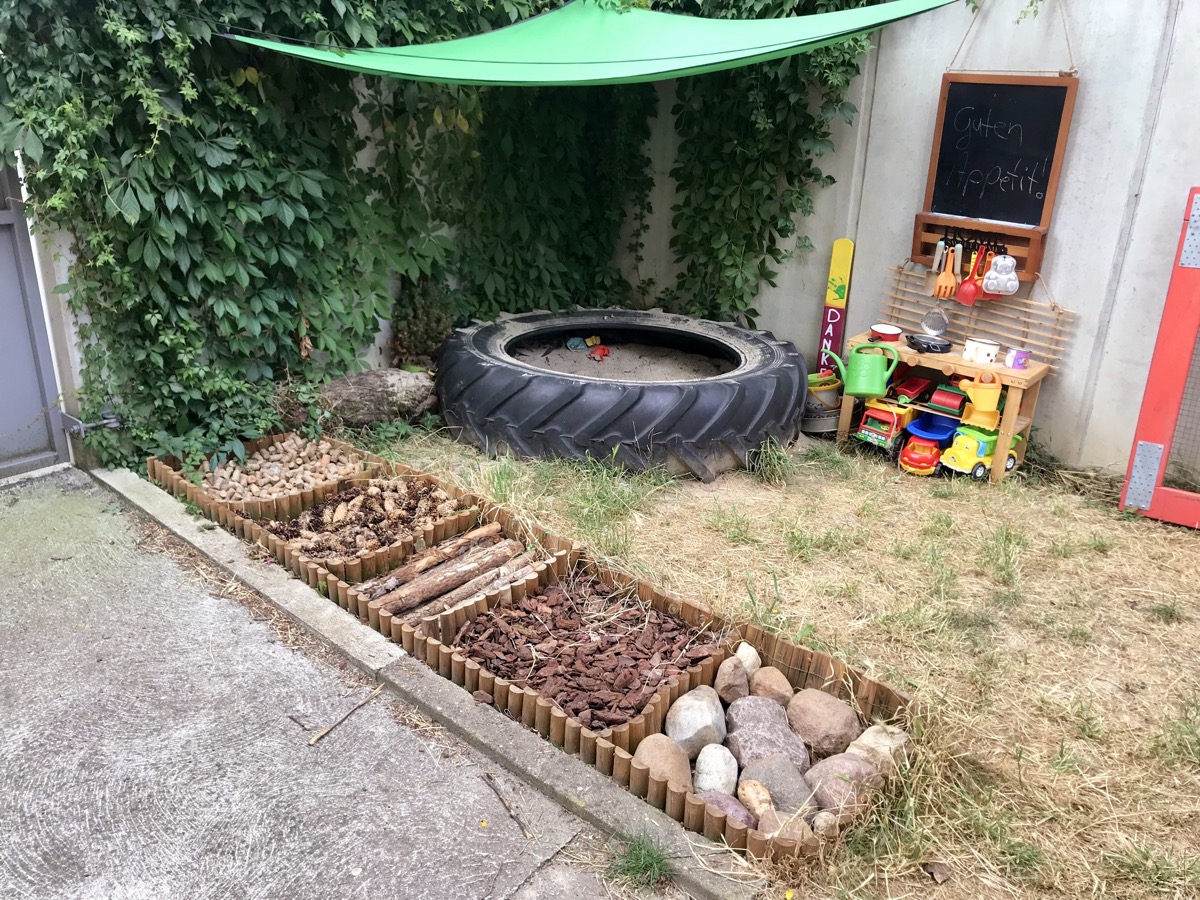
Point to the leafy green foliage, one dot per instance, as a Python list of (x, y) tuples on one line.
[(229, 232), (544, 199), (747, 164), (224, 233)]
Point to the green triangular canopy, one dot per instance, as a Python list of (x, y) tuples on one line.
[(584, 43)]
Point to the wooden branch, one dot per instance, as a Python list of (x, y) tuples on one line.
[(511, 572), (375, 693), (446, 577), (427, 559)]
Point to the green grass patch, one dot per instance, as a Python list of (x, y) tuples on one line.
[(827, 459), (1167, 613), (639, 860), (1179, 743), (737, 527), (771, 463), (1000, 556), (1157, 870)]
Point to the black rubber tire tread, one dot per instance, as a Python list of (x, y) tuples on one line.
[(705, 426)]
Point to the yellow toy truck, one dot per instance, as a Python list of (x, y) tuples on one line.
[(973, 451)]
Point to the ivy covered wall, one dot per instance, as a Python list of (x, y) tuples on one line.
[(226, 235)]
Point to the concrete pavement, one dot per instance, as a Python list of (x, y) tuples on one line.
[(154, 743)]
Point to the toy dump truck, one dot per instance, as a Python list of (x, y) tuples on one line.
[(883, 423), (973, 451)]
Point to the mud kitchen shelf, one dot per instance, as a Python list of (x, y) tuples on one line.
[(1022, 386)]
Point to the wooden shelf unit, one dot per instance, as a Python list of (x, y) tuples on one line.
[(1021, 385)]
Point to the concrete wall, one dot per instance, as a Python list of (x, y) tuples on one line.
[(1133, 154)]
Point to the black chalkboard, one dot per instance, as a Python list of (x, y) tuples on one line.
[(998, 147)]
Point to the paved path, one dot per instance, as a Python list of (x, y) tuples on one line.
[(154, 743)]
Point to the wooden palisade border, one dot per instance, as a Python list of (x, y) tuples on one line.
[(610, 751)]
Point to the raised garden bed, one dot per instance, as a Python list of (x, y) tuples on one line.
[(515, 570), (284, 494), (372, 522), (583, 646)]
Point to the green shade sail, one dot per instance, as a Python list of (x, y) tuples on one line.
[(583, 43)]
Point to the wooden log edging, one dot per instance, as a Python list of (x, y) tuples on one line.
[(246, 518), (610, 751)]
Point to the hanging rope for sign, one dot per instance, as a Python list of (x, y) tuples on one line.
[(1072, 69)]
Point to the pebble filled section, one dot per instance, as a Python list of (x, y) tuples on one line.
[(277, 469)]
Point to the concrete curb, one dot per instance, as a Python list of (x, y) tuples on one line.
[(580, 790)]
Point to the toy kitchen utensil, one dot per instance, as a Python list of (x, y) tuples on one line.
[(1001, 279), (968, 291), (935, 268), (935, 321), (1017, 358), (946, 283), (865, 372), (928, 343), (884, 332), (980, 351)]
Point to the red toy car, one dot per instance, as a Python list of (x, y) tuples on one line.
[(921, 456)]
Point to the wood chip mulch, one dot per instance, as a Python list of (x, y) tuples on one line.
[(588, 649), (358, 520)]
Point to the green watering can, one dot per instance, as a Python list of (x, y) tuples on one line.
[(865, 372)]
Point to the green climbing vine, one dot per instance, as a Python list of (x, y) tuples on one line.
[(750, 141), (224, 234), (235, 216)]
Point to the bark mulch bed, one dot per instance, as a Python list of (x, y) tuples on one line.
[(586, 647), (358, 520)]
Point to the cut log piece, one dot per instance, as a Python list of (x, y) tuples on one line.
[(427, 559), (446, 577), (515, 569)]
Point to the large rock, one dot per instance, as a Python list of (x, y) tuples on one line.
[(758, 727), (696, 719), (733, 809), (361, 398), (825, 723), (732, 681), (842, 784), (789, 791), (769, 682), (776, 824), (665, 759), (749, 657), (716, 770), (884, 746)]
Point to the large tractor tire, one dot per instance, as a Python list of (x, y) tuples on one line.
[(700, 425)]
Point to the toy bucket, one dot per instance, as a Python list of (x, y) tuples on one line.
[(824, 388)]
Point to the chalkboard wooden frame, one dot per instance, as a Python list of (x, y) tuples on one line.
[(1027, 242)]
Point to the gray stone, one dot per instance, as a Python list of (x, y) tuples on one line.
[(716, 770), (842, 784), (732, 681), (771, 683), (883, 746), (665, 759), (749, 657), (731, 806), (789, 791), (758, 727), (825, 723), (826, 825), (696, 720)]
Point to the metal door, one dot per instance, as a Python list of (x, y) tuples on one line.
[(1163, 480), (29, 434)]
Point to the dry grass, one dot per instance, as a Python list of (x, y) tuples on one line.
[(1048, 642)]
